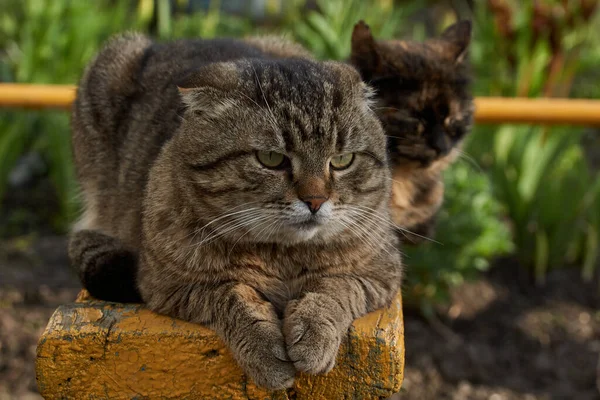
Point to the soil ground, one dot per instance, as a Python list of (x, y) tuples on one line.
[(499, 339)]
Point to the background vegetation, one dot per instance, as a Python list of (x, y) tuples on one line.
[(531, 192)]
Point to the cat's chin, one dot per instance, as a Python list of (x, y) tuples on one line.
[(318, 233), (295, 234), (304, 234), (298, 233)]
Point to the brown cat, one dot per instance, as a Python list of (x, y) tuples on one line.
[(426, 107), (252, 191)]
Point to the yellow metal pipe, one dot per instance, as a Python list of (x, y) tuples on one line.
[(550, 111), (36, 96), (495, 110)]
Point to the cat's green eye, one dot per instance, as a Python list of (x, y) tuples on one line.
[(271, 159), (342, 161)]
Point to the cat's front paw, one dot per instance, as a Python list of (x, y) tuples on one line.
[(264, 358), (311, 335)]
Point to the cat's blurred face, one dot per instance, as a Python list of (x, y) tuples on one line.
[(424, 99), (295, 155), (425, 120)]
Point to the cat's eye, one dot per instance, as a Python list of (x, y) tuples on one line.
[(271, 159), (342, 161)]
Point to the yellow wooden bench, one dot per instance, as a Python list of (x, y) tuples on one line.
[(96, 350)]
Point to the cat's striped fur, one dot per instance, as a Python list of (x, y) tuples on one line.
[(165, 139)]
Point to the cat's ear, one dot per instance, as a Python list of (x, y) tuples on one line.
[(365, 55), (346, 73), (200, 88), (350, 81), (455, 40)]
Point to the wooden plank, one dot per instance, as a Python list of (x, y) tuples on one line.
[(93, 349)]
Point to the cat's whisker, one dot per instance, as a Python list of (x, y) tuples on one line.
[(364, 217), (380, 240), (368, 236), (275, 228), (375, 213), (345, 223), (465, 156), (240, 225), (228, 224), (231, 227), (227, 213), (201, 231), (395, 227), (357, 219), (382, 218), (272, 121), (240, 238), (263, 232), (274, 118), (196, 181), (267, 231), (264, 224), (389, 108), (390, 223), (182, 118)]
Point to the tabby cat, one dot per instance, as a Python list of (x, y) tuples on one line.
[(235, 190), (426, 107)]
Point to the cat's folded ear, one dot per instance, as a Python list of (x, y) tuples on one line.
[(365, 55), (344, 72), (350, 81), (201, 87), (456, 39)]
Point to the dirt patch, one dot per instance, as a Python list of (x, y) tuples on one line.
[(505, 339), (34, 280), (500, 339)]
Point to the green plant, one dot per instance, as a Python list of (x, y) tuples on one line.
[(550, 194), (50, 42), (539, 173), (327, 31), (470, 232), (172, 23)]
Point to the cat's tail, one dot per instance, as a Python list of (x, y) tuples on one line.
[(106, 268)]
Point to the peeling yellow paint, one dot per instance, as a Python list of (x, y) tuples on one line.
[(92, 349)]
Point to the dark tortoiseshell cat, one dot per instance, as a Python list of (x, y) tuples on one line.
[(426, 107)]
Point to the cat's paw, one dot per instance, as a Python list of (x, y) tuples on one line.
[(311, 336), (264, 358)]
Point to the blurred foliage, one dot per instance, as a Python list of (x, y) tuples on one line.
[(540, 173), (327, 31), (173, 22), (49, 42), (531, 181), (469, 233)]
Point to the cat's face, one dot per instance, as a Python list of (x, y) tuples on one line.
[(283, 152), (424, 100)]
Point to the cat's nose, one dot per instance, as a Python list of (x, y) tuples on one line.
[(314, 202), (439, 141), (313, 192)]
